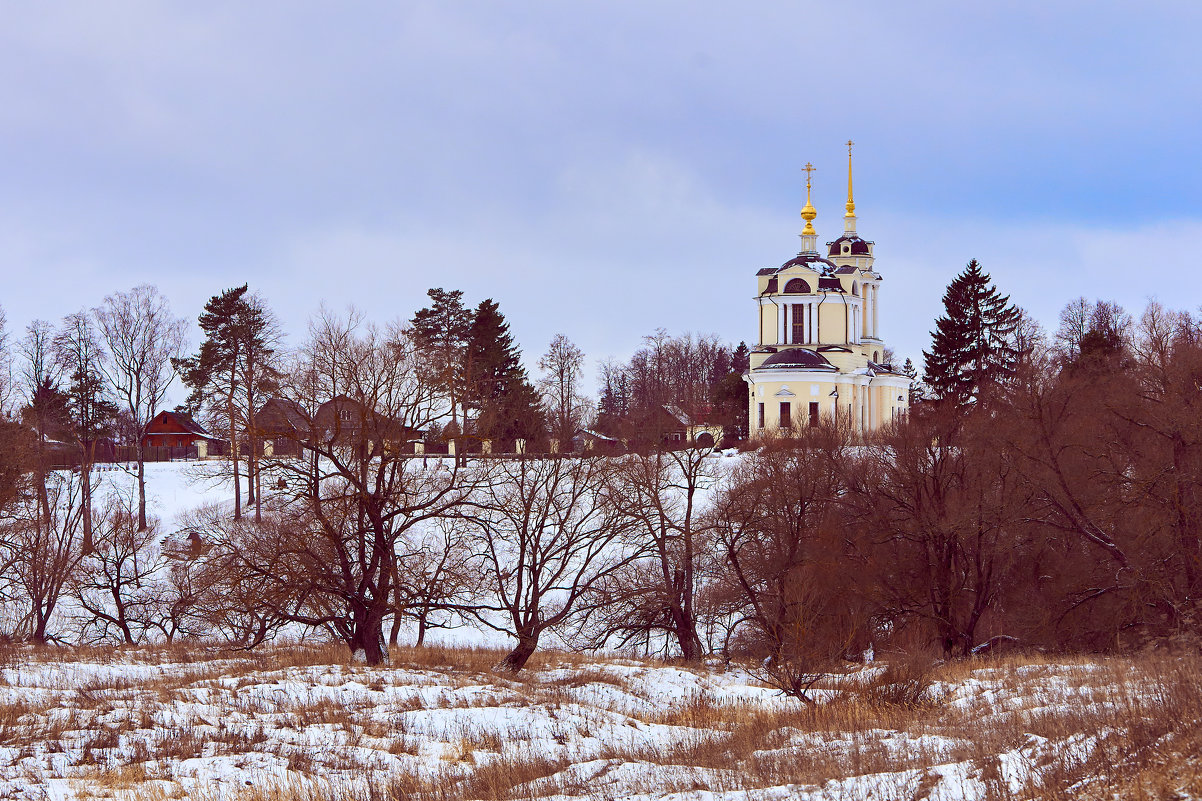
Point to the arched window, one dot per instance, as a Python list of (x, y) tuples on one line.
[(855, 288), (797, 287), (876, 356)]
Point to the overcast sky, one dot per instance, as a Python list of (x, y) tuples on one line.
[(600, 169)]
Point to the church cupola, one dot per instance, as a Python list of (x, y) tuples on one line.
[(850, 245), (849, 219), (809, 237)]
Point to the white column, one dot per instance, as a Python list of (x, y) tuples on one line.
[(875, 303), (780, 324)]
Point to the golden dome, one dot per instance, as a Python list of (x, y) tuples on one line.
[(808, 212)]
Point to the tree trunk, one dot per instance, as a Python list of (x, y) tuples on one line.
[(234, 456), (686, 636), (421, 629), (516, 659), (141, 486), (85, 481), (367, 640)]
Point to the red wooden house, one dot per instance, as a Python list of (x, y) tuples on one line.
[(178, 430)]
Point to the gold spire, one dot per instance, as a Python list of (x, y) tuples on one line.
[(808, 212), (851, 203)]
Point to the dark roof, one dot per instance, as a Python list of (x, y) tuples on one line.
[(846, 270), (798, 357), (186, 422), (279, 414), (829, 284), (834, 349), (767, 271), (811, 260), (859, 247)]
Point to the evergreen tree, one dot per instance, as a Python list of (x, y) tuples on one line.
[(233, 373), (918, 390), (91, 415), (731, 392), (613, 407), (508, 406), (441, 333), (973, 342)]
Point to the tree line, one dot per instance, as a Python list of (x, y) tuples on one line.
[(1043, 494)]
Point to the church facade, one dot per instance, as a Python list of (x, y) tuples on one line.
[(820, 355)]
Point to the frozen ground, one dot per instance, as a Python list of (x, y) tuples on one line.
[(287, 723), (191, 723)]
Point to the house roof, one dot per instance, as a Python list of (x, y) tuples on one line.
[(282, 411), (595, 435), (185, 422)]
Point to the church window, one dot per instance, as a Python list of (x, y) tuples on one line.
[(797, 287), (876, 356), (760, 417), (855, 289), (798, 323), (813, 413), (785, 415)]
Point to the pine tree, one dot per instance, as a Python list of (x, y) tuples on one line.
[(508, 406), (972, 344), (441, 332), (233, 372)]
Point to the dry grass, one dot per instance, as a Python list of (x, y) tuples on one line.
[(1084, 728)]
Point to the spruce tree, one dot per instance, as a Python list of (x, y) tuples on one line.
[(508, 406), (918, 390), (973, 342), (731, 392)]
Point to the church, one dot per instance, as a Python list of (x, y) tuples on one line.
[(820, 357)]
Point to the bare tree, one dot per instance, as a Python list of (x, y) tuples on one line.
[(435, 579), (659, 497), (779, 526), (44, 553), (944, 507), (324, 556), (547, 531), (144, 340), (225, 580), (78, 349), (7, 383), (116, 585), (567, 407)]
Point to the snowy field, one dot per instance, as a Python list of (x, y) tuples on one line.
[(297, 722), (300, 722)]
